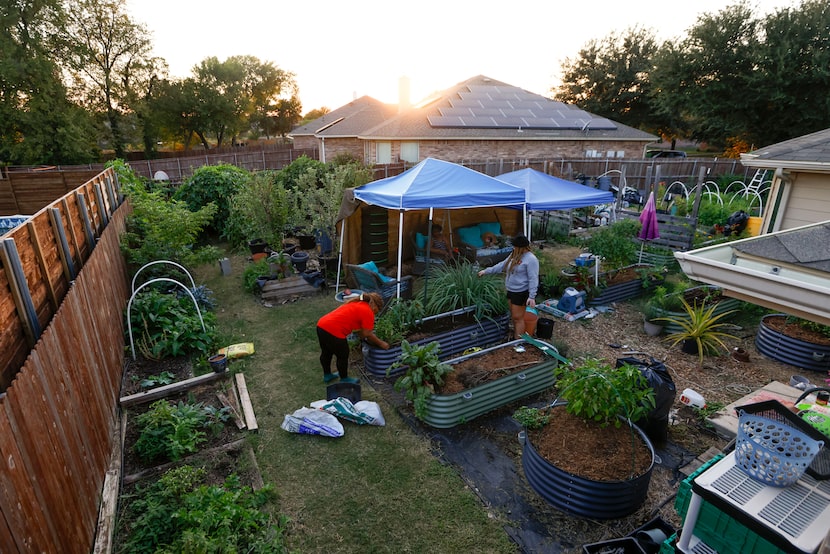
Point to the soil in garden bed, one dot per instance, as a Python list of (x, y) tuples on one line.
[(136, 371), (489, 367), (794, 330), (584, 448), (205, 394), (441, 325)]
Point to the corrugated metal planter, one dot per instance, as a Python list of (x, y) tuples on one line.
[(448, 410), (487, 331), (620, 291), (725, 304), (795, 352), (585, 497)]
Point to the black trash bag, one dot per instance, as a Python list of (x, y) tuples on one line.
[(655, 424), (736, 223)]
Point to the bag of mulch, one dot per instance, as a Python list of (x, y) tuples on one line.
[(310, 421), (655, 424), (363, 412), (237, 350)]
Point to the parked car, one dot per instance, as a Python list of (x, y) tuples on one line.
[(665, 154)]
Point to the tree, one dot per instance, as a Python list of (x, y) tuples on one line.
[(610, 78), (38, 123), (706, 78), (103, 50)]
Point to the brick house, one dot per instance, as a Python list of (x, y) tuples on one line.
[(480, 118)]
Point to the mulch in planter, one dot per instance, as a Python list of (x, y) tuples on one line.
[(588, 450), (489, 367), (794, 330)]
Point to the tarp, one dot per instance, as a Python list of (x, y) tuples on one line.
[(546, 192), (439, 184)]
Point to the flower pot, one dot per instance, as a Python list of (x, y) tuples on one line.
[(652, 329), (581, 496), (257, 246), (453, 342), (299, 260), (307, 242), (218, 362), (448, 410), (689, 346)]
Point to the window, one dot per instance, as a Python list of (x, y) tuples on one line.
[(384, 153), (409, 152)]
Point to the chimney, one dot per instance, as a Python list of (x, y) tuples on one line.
[(403, 94)]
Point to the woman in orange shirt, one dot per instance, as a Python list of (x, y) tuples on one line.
[(358, 315)]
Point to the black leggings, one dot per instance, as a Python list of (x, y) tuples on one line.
[(331, 346)]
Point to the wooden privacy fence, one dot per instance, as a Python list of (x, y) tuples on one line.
[(58, 411)]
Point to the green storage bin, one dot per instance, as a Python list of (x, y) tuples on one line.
[(684, 491), (728, 536)]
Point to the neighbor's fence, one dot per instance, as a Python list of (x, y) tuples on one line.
[(65, 284), (177, 169)]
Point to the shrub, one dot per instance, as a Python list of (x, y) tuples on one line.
[(213, 184), (614, 243), (259, 209)]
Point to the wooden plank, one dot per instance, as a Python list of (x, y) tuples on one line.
[(167, 390), (133, 477), (109, 495), (284, 288), (245, 400), (44, 268), (234, 412)]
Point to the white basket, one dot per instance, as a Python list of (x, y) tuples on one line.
[(771, 452)]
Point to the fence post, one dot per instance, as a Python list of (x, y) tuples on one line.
[(20, 291)]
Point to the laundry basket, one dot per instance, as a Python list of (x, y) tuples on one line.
[(776, 411), (772, 452)]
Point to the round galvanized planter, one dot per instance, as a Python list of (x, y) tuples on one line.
[(619, 291), (585, 497), (448, 410), (487, 331), (795, 352)]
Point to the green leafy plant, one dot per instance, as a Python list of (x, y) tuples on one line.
[(254, 271), (259, 209), (596, 391), (614, 243), (424, 372), (213, 184), (398, 319), (162, 229), (532, 418), (170, 430), (169, 325), (182, 513), (700, 325), (163, 378), (452, 287)]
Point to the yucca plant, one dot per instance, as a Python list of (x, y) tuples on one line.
[(701, 326), (452, 287)]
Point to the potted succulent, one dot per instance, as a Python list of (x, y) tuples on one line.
[(700, 329), (605, 469)]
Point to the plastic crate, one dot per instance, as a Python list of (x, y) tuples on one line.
[(684, 491), (668, 545), (819, 468), (724, 534)]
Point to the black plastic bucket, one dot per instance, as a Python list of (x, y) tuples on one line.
[(544, 328), (346, 390)]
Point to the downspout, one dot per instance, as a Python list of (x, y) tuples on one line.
[(323, 149)]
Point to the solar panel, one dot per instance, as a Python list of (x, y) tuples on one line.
[(483, 106)]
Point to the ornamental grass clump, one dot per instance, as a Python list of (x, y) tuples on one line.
[(452, 287)]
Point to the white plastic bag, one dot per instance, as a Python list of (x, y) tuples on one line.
[(364, 412), (310, 421)]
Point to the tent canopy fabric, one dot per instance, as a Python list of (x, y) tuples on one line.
[(546, 192), (438, 184)]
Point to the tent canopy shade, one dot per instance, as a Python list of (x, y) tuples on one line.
[(547, 193)]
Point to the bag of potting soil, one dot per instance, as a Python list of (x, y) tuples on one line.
[(361, 413), (655, 424), (309, 421), (237, 350)]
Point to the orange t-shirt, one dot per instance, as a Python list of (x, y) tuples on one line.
[(347, 318)]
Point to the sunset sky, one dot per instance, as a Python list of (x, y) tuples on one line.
[(343, 50)]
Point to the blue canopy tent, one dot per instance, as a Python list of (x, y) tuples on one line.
[(434, 184), (546, 192)]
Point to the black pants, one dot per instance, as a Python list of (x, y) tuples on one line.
[(331, 346)]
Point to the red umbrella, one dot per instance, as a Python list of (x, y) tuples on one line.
[(648, 219)]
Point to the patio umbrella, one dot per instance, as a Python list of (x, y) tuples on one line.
[(648, 218)]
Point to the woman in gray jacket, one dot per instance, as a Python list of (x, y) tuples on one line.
[(521, 268)]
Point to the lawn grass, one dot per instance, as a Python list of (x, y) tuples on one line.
[(376, 489)]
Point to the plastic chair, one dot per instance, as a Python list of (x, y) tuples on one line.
[(369, 281)]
